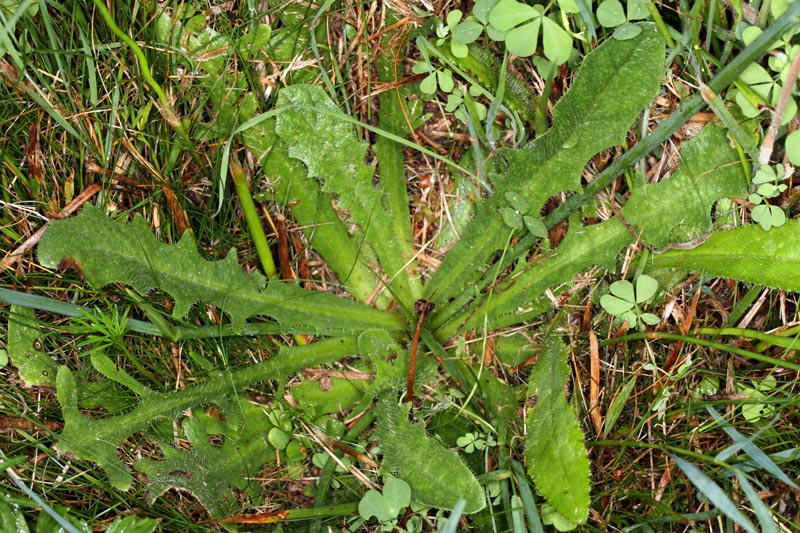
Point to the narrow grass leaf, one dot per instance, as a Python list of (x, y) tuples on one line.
[(760, 459), (714, 493), (516, 515), (528, 503), (762, 511), (617, 406), (451, 526)]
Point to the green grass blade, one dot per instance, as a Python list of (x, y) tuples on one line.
[(761, 459), (714, 493), (762, 511)]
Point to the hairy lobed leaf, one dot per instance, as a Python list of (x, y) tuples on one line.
[(98, 439), (319, 134), (614, 83), (437, 476), (590, 117), (748, 253), (679, 206), (710, 169), (234, 105), (555, 454), (208, 471), (25, 348), (107, 251)]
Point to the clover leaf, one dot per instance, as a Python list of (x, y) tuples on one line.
[(765, 214), (624, 301), (387, 506), (611, 14), (518, 25)]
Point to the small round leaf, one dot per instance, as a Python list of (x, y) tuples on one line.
[(557, 42), (446, 80), (615, 306), (535, 226), (482, 9), (509, 13), (512, 218), (650, 319), (453, 18), (428, 85), (646, 288), (623, 289), (459, 49), (627, 31), (522, 41), (610, 14), (792, 145), (638, 9), (468, 31), (516, 201)]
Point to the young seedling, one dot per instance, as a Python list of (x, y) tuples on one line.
[(765, 214), (386, 506), (611, 14), (624, 301)]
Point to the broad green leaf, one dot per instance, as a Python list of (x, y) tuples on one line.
[(139, 259), (437, 476), (742, 254), (556, 457), (589, 118), (25, 348)]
